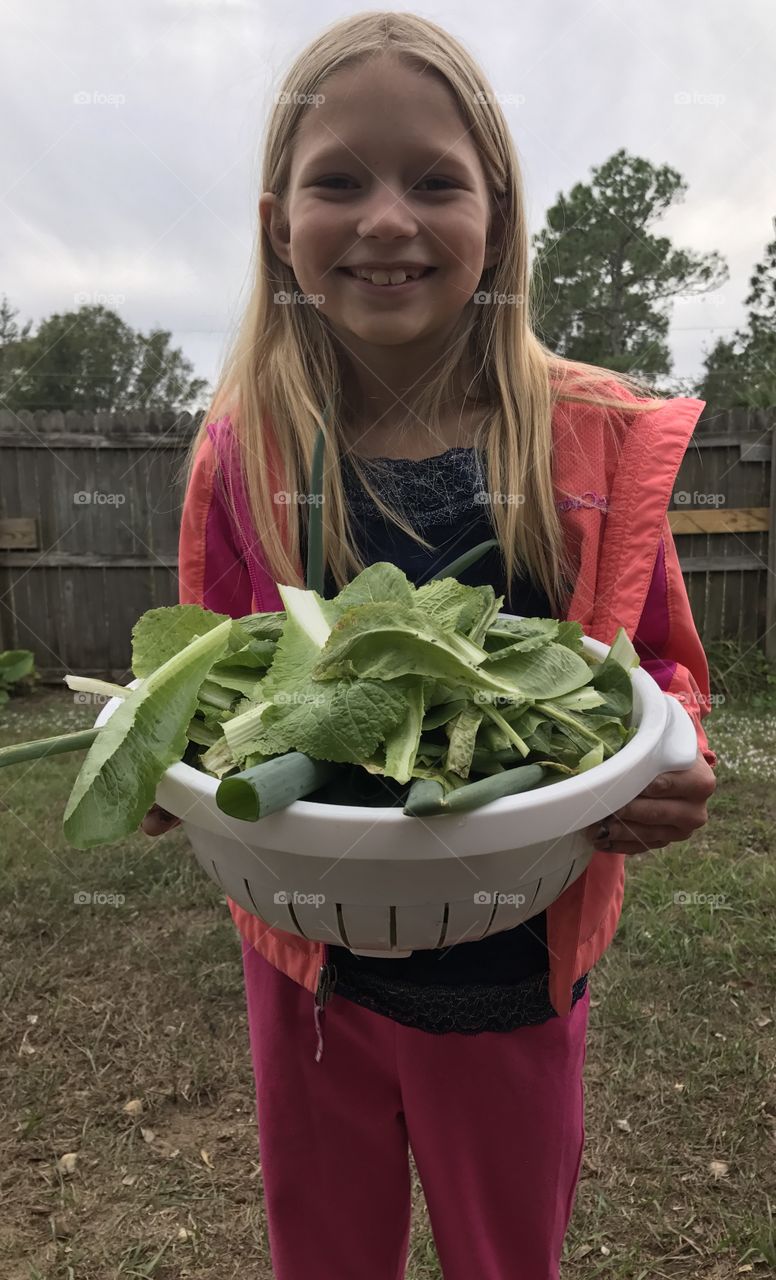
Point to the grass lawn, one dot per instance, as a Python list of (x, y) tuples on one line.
[(141, 1002)]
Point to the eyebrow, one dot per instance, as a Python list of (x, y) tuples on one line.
[(427, 156)]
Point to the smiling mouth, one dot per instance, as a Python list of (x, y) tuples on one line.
[(388, 287)]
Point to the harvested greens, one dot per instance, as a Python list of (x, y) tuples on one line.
[(426, 694)]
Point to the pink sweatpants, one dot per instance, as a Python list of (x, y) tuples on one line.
[(495, 1123)]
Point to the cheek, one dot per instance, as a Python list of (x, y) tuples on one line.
[(316, 242), (462, 246)]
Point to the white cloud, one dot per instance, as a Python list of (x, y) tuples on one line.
[(149, 189)]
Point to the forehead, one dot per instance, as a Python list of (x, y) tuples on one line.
[(383, 110)]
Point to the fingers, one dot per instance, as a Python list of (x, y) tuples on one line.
[(634, 837), (157, 821)]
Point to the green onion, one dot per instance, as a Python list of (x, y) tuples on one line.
[(272, 785), (423, 795), (465, 561), (20, 751), (474, 794), (315, 566), (487, 764)]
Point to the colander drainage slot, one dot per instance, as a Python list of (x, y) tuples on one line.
[(445, 921), (568, 877), (536, 893), (341, 925), (292, 913), (250, 895)]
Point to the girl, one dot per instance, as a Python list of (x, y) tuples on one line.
[(388, 156)]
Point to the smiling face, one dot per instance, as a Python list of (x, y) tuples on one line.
[(385, 170)]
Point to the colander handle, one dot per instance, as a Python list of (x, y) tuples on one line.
[(679, 744)]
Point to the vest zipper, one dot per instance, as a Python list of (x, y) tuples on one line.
[(327, 979)]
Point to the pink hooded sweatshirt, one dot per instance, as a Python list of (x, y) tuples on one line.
[(612, 491)]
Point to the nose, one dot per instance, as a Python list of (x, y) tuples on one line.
[(385, 213)]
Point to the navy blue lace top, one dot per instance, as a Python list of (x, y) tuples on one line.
[(499, 982)]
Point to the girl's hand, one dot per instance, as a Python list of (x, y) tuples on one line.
[(157, 821), (669, 809)]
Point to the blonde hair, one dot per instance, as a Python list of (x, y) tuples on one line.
[(283, 368)]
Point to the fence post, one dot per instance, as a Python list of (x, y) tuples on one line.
[(770, 588)]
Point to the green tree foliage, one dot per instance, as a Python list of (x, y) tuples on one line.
[(89, 360), (741, 372), (11, 337), (604, 280)]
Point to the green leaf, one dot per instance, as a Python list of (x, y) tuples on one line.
[(144, 736), (543, 673), (342, 721), (337, 720), (378, 582), (161, 633), (526, 633), (614, 684), (454, 606), (401, 742), (383, 641), (462, 739), (15, 664)]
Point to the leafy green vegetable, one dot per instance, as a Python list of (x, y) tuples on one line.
[(143, 737), (162, 633), (429, 689)]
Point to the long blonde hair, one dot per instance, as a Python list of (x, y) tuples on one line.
[(284, 368)]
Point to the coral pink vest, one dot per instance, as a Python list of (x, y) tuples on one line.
[(612, 492)]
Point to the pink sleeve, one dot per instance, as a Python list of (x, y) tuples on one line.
[(212, 571), (668, 644)]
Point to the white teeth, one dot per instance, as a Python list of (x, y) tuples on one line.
[(387, 277)]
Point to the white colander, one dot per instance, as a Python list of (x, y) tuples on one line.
[(381, 883)]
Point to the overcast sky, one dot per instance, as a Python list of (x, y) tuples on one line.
[(142, 194)]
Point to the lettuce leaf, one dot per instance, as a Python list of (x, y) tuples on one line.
[(144, 736)]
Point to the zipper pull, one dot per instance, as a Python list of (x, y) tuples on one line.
[(327, 979)]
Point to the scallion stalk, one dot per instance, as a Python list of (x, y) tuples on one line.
[(61, 742), (315, 567), (272, 785), (475, 794), (465, 561)]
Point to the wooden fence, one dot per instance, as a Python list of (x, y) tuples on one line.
[(90, 510)]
